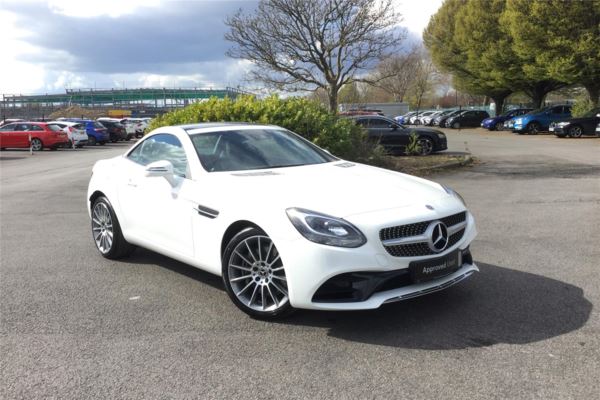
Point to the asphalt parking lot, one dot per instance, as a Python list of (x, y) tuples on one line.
[(74, 325)]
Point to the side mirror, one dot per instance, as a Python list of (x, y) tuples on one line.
[(162, 168), (393, 127)]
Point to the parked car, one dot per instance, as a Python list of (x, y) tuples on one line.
[(539, 120), (395, 137), (382, 237), (428, 120), (440, 120), (115, 129), (577, 127), (130, 127), (75, 131), (497, 123), (43, 135), (416, 119), (97, 133), (468, 118), (598, 129), (403, 119), (140, 125)]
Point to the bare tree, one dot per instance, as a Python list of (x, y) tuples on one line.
[(395, 74), (423, 80), (309, 44)]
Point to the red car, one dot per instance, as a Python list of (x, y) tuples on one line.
[(42, 136)]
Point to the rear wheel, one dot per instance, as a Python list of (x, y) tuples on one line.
[(36, 144), (575, 131), (254, 275), (456, 125), (499, 126), (106, 231), (91, 141)]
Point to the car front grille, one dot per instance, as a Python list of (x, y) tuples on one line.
[(456, 223)]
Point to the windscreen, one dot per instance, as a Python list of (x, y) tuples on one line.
[(250, 149), (54, 127)]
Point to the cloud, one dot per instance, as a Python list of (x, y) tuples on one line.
[(172, 42)]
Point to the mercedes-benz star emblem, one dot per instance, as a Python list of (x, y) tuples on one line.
[(437, 234)]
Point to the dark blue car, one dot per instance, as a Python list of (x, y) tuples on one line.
[(96, 132), (497, 123)]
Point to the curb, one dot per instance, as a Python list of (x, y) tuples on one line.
[(466, 161)]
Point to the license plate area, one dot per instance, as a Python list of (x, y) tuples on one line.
[(426, 270)]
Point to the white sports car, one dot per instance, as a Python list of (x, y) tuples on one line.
[(286, 224)]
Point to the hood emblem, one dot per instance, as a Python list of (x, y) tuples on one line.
[(429, 207)]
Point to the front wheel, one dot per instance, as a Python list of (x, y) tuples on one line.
[(499, 126), (533, 128), (426, 146), (254, 275), (106, 231), (91, 141), (456, 125), (575, 131)]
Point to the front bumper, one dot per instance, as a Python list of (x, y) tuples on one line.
[(309, 266)]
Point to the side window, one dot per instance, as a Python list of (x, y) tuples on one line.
[(363, 122), (36, 128), (378, 123), (23, 127), (8, 128), (557, 110), (161, 147)]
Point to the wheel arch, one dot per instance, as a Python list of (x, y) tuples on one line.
[(233, 229), (95, 195)]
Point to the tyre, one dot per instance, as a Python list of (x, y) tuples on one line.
[(254, 275), (91, 141), (426, 146), (102, 143), (575, 131), (533, 128), (499, 126), (456, 125), (36, 144), (106, 231)]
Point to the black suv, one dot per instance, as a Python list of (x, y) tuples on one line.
[(395, 137)]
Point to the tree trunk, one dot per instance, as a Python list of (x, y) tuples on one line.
[(499, 101), (333, 99), (537, 96), (594, 92)]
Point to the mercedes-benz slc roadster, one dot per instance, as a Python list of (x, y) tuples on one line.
[(286, 224)]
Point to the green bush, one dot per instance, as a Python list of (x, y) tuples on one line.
[(413, 147), (306, 117), (582, 105)]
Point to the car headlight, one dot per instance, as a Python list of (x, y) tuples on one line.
[(562, 124), (325, 229), (455, 194), (441, 135)]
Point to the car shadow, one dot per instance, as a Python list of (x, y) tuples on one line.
[(147, 257), (497, 305)]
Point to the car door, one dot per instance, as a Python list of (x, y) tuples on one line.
[(22, 133), (7, 137), (154, 210)]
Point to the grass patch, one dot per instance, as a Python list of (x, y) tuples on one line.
[(421, 166)]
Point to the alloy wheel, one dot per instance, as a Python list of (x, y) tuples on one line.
[(256, 274), (102, 227), (426, 146), (499, 126), (36, 144), (533, 128), (575, 131)]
